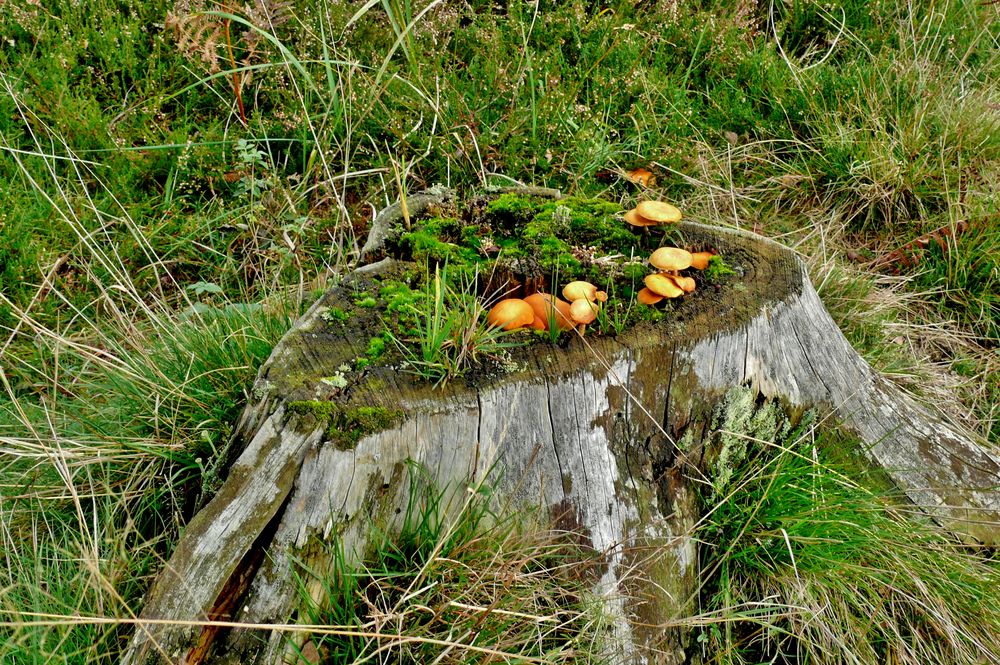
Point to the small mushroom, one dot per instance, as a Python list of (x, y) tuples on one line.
[(647, 297), (663, 285), (641, 176), (583, 311), (545, 308), (659, 212), (699, 260), (511, 314), (576, 290), (686, 283), (670, 259), (635, 219)]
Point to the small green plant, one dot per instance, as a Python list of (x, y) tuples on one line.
[(809, 560), (335, 314), (374, 353), (451, 331), (614, 315), (459, 583), (717, 269)]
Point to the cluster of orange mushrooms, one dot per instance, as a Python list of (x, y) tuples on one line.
[(583, 300), (539, 310), (668, 282)]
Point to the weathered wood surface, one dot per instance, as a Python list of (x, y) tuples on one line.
[(586, 432)]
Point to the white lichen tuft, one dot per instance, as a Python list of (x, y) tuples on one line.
[(738, 422)]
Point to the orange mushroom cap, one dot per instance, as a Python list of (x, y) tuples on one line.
[(576, 290), (635, 219), (511, 314), (647, 297), (641, 176), (685, 283), (583, 311), (699, 260), (670, 258), (545, 306), (662, 285), (659, 212)]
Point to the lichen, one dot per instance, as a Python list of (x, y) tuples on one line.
[(337, 380), (739, 420)]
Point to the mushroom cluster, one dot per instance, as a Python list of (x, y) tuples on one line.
[(653, 213), (668, 282), (540, 310)]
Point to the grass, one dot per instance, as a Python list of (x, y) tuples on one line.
[(429, 590), (810, 563), (179, 180), (99, 474), (451, 332)]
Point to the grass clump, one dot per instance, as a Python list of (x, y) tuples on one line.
[(451, 333), (98, 471), (459, 584), (809, 561)]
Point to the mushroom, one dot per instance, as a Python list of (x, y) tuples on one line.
[(583, 311), (647, 297), (670, 259), (576, 290), (641, 176), (685, 283), (659, 212), (699, 260), (511, 314), (545, 306), (663, 285), (635, 219)]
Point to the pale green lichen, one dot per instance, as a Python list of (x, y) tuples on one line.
[(686, 442), (338, 380), (738, 422)]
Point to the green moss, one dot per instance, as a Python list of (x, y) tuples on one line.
[(367, 302), (512, 206), (374, 352), (335, 314), (717, 269), (376, 348), (589, 222), (399, 296), (351, 425), (320, 410), (345, 427), (426, 245), (635, 272)]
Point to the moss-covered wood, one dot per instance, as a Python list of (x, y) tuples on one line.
[(603, 432)]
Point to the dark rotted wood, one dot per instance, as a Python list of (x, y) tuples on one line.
[(586, 432)]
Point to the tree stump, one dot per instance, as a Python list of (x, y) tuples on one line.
[(587, 432)]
